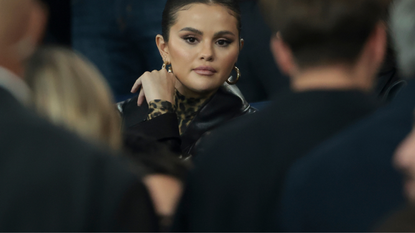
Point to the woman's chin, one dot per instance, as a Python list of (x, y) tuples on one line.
[(203, 89)]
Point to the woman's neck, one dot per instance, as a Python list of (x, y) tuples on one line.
[(186, 92)]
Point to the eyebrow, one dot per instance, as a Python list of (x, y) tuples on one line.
[(218, 34), (192, 30), (222, 33)]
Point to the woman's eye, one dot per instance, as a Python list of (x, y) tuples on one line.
[(223, 42), (190, 40)]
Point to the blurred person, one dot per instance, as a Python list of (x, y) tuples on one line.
[(68, 90), (262, 78), (349, 183), (194, 92), (118, 37), (51, 180), (404, 157), (404, 160), (332, 51), (71, 92)]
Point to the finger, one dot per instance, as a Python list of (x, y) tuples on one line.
[(136, 86), (141, 97)]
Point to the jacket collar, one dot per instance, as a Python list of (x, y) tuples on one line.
[(226, 104), (15, 85)]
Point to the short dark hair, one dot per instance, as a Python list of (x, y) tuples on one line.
[(324, 32), (173, 6)]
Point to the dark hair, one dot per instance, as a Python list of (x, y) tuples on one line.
[(324, 32), (173, 6)]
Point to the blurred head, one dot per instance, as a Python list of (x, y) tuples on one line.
[(403, 31), (201, 41), (22, 23), (70, 91), (321, 33), (402, 25)]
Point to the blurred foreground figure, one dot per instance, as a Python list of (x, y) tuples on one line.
[(51, 180), (404, 159), (69, 91), (332, 50), (349, 183)]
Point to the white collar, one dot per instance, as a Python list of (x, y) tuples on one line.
[(15, 85)]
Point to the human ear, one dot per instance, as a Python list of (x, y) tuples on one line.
[(282, 54), (34, 33), (378, 43), (163, 48)]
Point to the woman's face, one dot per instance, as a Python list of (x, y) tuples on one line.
[(203, 48)]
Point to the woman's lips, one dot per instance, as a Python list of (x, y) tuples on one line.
[(205, 70)]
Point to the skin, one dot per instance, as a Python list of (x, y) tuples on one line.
[(165, 192), (404, 160), (22, 23), (203, 35)]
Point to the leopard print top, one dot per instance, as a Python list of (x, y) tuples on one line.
[(185, 109)]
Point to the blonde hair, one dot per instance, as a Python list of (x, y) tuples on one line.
[(71, 92)]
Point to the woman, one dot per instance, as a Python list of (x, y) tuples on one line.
[(194, 91), (69, 91)]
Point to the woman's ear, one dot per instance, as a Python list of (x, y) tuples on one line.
[(163, 48)]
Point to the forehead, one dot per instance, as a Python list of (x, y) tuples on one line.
[(206, 17)]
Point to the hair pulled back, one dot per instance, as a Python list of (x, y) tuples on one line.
[(172, 7)]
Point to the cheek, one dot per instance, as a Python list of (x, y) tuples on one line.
[(228, 61), (180, 54)]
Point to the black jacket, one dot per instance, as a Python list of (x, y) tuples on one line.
[(226, 104), (52, 181), (349, 183), (237, 180)]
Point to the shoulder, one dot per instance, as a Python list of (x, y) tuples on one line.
[(131, 113)]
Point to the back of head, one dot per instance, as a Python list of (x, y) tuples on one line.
[(324, 32), (402, 24), (71, 92)]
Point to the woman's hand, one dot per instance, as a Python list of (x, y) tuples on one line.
[(159, 84)]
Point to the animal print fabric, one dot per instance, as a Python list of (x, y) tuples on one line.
[(185, 109)]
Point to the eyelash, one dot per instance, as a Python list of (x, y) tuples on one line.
[(190, 37), (227, 42)]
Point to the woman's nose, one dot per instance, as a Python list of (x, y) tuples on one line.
[(207, 52)]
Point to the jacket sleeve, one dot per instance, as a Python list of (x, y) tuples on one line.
[(163, 128)]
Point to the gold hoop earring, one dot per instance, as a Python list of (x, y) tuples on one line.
[(166, 66), (238, 75)]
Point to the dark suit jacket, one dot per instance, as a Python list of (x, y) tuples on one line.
[(52, 181), (349, 183), (237, 180)]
